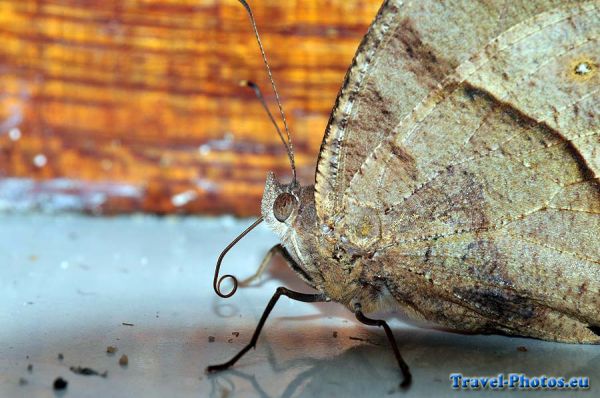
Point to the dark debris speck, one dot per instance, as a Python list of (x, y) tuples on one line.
[(87, 371), (60, 383)]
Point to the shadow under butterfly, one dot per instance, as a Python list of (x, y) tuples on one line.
[(457, 181), (365, 370)]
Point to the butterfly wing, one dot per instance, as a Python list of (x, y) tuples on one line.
[(409, 50), (480, 197)]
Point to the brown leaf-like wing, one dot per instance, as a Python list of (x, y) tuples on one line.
[(488, 191), (409, 50)]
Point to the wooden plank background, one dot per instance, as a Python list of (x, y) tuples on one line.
[(134, 105)]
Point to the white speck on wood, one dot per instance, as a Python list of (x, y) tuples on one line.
[(183, 198)]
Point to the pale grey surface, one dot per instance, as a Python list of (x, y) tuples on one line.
[(69, 282)]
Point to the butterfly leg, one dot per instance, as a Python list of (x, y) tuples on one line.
[(378, 322), (281, 291), (277, 249)]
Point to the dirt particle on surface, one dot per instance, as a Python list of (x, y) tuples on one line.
[(124, 360), (60, 383), (30, 368), (60, 357), (335, 334), (23, 381), (87, 371), (127, 324), (111, 349), (522, 348), (211, 339), (236, 334)]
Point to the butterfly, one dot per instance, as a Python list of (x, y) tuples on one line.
[(458, 179)]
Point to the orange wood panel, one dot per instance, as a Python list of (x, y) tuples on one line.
[(134, 105)]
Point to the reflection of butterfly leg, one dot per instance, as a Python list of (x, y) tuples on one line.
[(378, 322), (277, 249), (281, 291)]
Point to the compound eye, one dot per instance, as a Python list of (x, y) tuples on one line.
[(283, 206)]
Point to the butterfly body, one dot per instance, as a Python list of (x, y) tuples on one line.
[(346, 276), (449, 188)]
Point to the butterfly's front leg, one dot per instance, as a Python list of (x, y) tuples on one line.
[(379, 322), (277, 249), (281, 291)]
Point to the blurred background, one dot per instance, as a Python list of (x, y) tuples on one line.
[(123, 106)]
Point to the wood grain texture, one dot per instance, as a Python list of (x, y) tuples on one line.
[(116, 106)]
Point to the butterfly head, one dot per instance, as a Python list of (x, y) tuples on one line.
[(280, 205), (289, 210)]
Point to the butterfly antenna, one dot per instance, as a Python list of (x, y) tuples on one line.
[(288, 145), (261, 99)]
